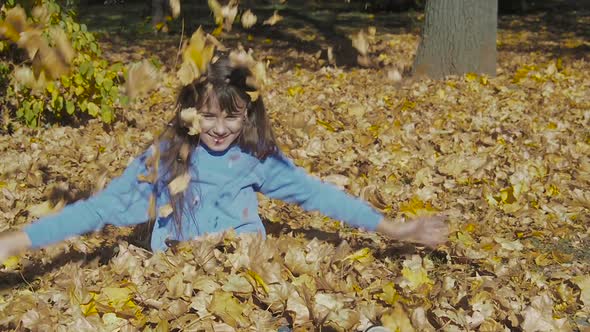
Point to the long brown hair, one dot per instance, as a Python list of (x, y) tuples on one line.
[(257, 138)]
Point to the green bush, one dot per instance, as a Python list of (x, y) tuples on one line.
[(89, 89)]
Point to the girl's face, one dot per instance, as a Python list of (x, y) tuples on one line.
[(219, 129)]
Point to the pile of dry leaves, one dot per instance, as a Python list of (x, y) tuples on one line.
[(507, 158)]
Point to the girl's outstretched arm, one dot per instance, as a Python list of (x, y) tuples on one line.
[(11, 243), (124, 201), (281, 179), (430, 231)]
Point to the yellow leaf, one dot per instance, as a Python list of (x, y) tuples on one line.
[(216, 9), (583, 283), (389, 294), (471, 76), (543, 260), (165, 211), (258, 280), (326, 125), (225, 306), (11, 263), (196, 57), (470, 227), (142, 77), (89, 308), (274, 19), (561, 257), (416, 208), (362, 256), (179, 184), (174, 7), (295, 90), (14, 23), (217, 30), (248, 19), (116, 297), (237, 284), (360, 42), (408, 105), (415, 275), (397, 320)]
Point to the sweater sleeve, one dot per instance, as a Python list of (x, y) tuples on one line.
[(281, 179), (124, 201)]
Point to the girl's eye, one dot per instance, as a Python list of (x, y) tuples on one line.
[(208, 116)]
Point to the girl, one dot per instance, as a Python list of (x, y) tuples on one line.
[(203, 173)]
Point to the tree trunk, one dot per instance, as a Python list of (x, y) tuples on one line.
[(459, 36)]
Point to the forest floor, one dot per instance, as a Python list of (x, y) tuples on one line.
[(506, 157)]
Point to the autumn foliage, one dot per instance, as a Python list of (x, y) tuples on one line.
[(507, 158)]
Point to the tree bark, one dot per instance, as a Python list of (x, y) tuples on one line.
[(459, 36)]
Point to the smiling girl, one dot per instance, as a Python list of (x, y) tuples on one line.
[(202, 175)]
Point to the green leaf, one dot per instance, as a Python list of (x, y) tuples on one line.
[(94, 47), (106, 114), (58, 105), (70, 108), (84, 67), (124, 100), (29, 114), (66, 81), (116, 67), (93, 109), (108, 84), (78, 79), (79, 90), (99, 78), (114, 92)]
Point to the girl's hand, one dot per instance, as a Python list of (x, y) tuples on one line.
[(12, 243), (429, 231)]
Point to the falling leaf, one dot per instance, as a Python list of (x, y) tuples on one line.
[(165, 211), (360, 42), (191, 119), (274, 19), (142, 77), (174, 7), (216, 9), (229, 13), (196, 57), (14, 24), (179, 184), (248, 19)]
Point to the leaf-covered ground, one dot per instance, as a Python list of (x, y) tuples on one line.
[(506, 157)]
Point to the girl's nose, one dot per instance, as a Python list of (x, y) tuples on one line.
[(220, 129)]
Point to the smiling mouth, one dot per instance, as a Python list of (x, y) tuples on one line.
[(218, 140)]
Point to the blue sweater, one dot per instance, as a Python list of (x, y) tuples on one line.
[(221, 194)]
